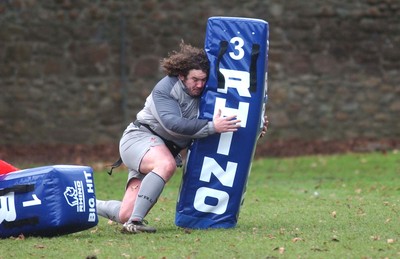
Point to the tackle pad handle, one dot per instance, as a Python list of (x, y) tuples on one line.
[(19, 188)]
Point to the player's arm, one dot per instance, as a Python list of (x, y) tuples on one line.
[(168, 112)]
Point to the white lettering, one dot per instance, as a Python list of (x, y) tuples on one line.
[(242, 112), (236, 79), (92, 210), (80, 196), (218, 208), (89, 182), (224, 144), (239, 43), (33, 202), (7, 207), (210, 166)]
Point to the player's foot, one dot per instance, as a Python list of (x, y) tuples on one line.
[(134, 227)]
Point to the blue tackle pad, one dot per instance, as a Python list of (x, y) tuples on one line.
[(217, 167), (47, 201)]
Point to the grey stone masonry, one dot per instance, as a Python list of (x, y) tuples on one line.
[(77, 72)]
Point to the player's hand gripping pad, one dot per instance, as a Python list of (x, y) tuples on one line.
[(215, 176), (47, 201)]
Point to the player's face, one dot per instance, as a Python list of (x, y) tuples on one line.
[(194, 82)]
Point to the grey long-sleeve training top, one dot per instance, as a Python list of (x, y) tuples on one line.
[(173, 114)]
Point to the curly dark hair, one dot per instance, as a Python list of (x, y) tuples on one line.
[(182, 61)]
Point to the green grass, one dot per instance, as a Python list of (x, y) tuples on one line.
[(341, 206)]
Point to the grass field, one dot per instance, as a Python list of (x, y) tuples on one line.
[(340, 206)]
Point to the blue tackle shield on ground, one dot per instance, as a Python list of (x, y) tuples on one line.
[(47, 201), (217, 167)]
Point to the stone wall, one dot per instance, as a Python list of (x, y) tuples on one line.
[(78, 71)]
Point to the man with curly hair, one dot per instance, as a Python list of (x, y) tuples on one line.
[(150, 146)]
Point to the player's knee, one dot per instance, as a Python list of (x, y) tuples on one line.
[(170, 165), (166, 168)]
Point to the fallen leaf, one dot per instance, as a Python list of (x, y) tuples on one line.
[(375, 238), (39, 246), (390, 241), (297, 239), (333, 214)]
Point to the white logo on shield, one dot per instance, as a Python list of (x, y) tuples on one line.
[(75, 196)]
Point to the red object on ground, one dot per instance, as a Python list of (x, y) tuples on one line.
[(6, 168)]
